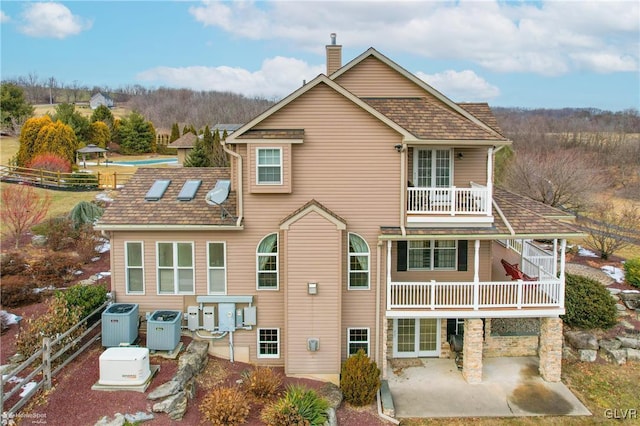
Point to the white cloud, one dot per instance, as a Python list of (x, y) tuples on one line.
[(548, 37), (52, 20), (4, 17), (461, 86), (276, 78)]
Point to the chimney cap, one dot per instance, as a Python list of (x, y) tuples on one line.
[(333, 38)]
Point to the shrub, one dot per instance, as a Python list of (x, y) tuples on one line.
[(58, 319), (13, 263), (83, 181), (262, 382), (50, 162), (56, 269), (85, 213), (282, 413), (588, 304), (632, 272), (18, 290), (225, 406), (86, 243), (85, 297), (359, 379), (59, 233), (298, 406)]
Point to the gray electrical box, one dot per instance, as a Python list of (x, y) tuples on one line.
[(250, 316), (227, 317), (208, 318), (193, 318), (239, 318), (313, 344)]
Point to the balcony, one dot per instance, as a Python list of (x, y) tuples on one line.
[(425, 204)]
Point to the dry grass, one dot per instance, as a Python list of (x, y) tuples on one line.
[(84, 109)]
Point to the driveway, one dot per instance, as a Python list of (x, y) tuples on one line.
[(510, 387)]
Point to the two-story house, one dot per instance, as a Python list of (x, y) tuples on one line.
[(358, 212)]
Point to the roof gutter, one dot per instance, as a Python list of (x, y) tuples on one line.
[(239, 183), (165, 227)]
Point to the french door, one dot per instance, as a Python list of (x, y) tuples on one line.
[(416, 337), (432, 168)]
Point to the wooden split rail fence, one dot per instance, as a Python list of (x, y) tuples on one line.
[(67, 181)]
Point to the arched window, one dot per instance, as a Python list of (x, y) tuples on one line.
[(358, 263), (267, 263)]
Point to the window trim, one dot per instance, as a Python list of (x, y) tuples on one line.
[(432, 249), (280, 165), (175, 268), (349, 341), (258, 341), (276, 255), (127, 267), (223, 268), (349, 255)]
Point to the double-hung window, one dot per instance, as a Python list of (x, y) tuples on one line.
[(269, 166), (358, 263), (432, 254), (357, 338), (175, 268), (267, 263), (134, 267), (217, 272), (268, 343)]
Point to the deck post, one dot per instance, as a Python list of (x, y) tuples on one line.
[(472, 351)]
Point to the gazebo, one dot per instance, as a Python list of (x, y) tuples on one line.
[(90, 149)]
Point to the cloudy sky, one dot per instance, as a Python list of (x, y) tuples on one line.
[(509, 53)]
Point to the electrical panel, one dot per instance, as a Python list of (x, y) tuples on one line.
[(193, 318), (250, 315), (227, 317), (239, 318), (208, 318)]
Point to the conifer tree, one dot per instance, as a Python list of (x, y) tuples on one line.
[(175, 133), (198, 156)]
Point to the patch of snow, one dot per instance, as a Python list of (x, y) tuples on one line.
[(11, 318), (102, 196), (585, 252), (616, 273), (13, 379), (95, 259), (78, 272), (105, 274), (27, 388), (41, 289), (104, 247)]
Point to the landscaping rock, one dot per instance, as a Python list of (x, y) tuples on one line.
[(633, 354), (628, 342), (170, 404), (39, 240), (587, 355), (138, 417), (614, 291), (332, 420), (630, 298), (610, 344), (164, 390), (332, 394), (616, 356), (118, 420), (568, 353), (581, 340), (621, 308), (190, 388)]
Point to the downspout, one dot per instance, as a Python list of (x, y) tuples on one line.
[(403, 189), (378, 292), (239, 184)]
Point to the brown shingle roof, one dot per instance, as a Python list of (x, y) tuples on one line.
[(273, 134), (428, 120), (503, 196), (130, 207), (482, 112), (188, 140)]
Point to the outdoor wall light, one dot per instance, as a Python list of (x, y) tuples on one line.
[(460, 156), (398, 147), (312, 288)]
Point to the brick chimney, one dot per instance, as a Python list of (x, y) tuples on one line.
[(334, 55)]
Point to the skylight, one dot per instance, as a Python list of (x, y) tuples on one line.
[(157, 189), (189, 190)]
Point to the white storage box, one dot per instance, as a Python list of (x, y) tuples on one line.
[(124, 366)]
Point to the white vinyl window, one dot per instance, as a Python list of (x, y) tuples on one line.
[(267, 263), (268, 343), (175, 268), (269, 166), (358, 263), (216, 266), (432, 254), (134, 266), (357, 338)]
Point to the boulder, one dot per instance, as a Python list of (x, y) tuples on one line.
[(164, 390), (171, 404), (629, 342), (587, 355), (332, 394), (332, 420), (633, 354), (138, 417), (581, 340), (568, 353), (630, 298), (118, 420), (39, 240), (614, 291), (610, 344), (616, 356)]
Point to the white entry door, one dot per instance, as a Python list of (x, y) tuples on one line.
[(416, 337)]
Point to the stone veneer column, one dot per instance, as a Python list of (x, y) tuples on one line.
[(550, 349), (472, 351)]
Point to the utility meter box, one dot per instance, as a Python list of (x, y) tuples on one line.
[(209, 318), (193, 318), (227, 317), (250, 316)]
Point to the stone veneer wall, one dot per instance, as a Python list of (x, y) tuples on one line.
[(550, 350), (472, 351), (497, 346)]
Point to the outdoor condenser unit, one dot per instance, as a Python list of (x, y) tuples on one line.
[(163, 330), (127, 366), (120, 324)]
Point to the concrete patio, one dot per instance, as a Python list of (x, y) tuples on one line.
[(510, 387)]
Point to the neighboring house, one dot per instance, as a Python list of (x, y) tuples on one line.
[(229, 128), (361, 215), (184, 144), (100, 99)]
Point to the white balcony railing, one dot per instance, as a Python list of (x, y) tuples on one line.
[(481, 295), (452, 201)]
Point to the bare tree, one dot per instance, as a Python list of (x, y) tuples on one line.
[(53, 85), (612, 229), (21, 209), (559, 178)]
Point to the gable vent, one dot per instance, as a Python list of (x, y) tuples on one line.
[(189, 190), (157, 190)]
